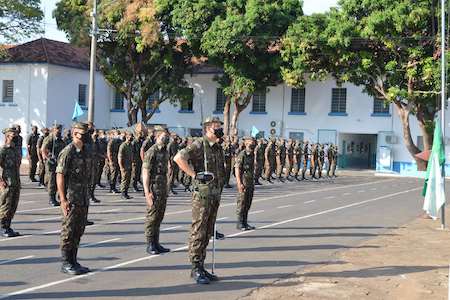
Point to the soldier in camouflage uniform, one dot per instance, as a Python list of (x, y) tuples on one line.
[(259, 160), (136, 145), (125, 159), (280, 158), (270, 160), (314, 160), (208, 185), (155, 169), (172, 148), (298, 154), (102, 146), (245, 168), (96, 158), (332, 160), (19, 142), (321, 160), (51, 147), (74, 177), (149, 141), (289, 159), (41, 166), (228, 152), (305, 159), (112, 151), (9, 182), (33, 152)]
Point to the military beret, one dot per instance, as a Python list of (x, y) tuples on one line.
[(159, 128), (8, 130), (80, 125), (209, 120)]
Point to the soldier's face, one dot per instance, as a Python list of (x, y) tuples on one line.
[(77, 135)]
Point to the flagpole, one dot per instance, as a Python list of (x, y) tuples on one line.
[(92, 64), (443, 97)]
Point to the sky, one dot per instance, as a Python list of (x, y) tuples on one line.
[(52, 32)]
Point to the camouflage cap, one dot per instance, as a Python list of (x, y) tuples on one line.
[(159, 128), (8, 130), (245, 138), (209, 120), (80, 125)]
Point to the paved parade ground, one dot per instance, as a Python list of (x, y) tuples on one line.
[(298, 224)]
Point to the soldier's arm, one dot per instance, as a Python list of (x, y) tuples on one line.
[(119, 157), (146, 181), (142, 150), (237, 169), (61, 170), (183, 156)]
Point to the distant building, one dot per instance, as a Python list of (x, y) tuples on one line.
[(42, 79)]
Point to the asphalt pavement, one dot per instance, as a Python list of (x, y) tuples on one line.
[(298, 224)]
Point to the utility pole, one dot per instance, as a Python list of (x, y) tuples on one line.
[(92, 65), (443, 94)]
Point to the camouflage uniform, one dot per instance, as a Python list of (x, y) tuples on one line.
[(228, 152), (33, 154), (305, 159), (245, 162), (289, 159), (126, 158), (156, 162), (332, 160), (280, 157), (298, 153), (113, 166), (102, 146), (75, 165), (9, 195), (259, 161), (136, 145), (270, 160), (321, 160), (314, 161), (41, 165), (54, 145), (172, 149), (206, 197)]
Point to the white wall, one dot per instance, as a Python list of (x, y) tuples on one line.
[(30, 94)]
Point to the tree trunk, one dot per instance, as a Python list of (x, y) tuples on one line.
[(407, 138), (238, 108), (226, 116)]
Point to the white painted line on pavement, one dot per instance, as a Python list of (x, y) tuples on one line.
[(125, 263), (285, 206), (26, 202), (37, 209), (346, 194), (48, 219), (330, 197), (361, 191), (311, 201), (221, 219), (171, 228), (373, 189), (93, 213), (99, 243), (256, 212), (15, 259)]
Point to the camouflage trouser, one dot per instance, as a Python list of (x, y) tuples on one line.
[(114, 173), (320, 168), (93, 183), (125, 180), (333, 168), (41, 171), (289, 164), (313, 168), (136, 172), (73, 227), (269, 168), (258, 169), (50, 178), (155, 215), (296, 168), (174, 170), (204, 213), (101, 166), (9, 199), (244, 202), (228, 168), (279, 167), (33, 166), (304, 167)]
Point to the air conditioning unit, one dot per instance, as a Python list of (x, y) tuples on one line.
[(391, 139), (275, 127)]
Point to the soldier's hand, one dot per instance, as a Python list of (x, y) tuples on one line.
[(149, 199), (65, 207), (2, 183)]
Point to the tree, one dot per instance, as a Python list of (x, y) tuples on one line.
[(137, 52), (19, 19), (240, 37), (389, 47)]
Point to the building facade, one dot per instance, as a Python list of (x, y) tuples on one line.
[(39, 89)]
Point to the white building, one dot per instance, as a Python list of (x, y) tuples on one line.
[(42, 80)]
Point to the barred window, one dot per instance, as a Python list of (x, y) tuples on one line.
[(296, 135), (187, 105), (8, 91), (339, 100), (118, 100), (82, 88), (220, 100), (380, 107), (298, 100), (259, 101)]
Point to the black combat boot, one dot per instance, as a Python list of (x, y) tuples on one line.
[(82, 269), (93, 199), (152, 247), (247, 226), (136, 188), (68, 267), (112, 189), (100, 185), (89, 223), (210, 276), (160, 248), (198, 274), (257, 182), (9, 232), (125, 196), (219, 236), (52, 201), (240, 224)]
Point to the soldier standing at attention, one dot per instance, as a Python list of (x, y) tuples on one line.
[(102, 145), (172, 148), (289, 159), (270, 160), (51, 147), (19, 142), (136, 145), (112, 151), (96, 157), (298, 153), (73, 178), (314, 161), (125, 158), (244, 167), (9, 181), (155, 169), (259, 160), (149, 141), (280, 151), (321, 160), (33, 152), (41, 166), (305, 159), (208, 184), (228, 156)]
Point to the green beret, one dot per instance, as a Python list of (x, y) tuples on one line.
[(8, 130), (209, 120), (80, 125)]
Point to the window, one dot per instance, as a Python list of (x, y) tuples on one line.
[(187, 104), (298, 101), (339, 100), (259, 102), (8, 91), (152, 99), (220, 100), (82, 88), (118, 101), (380, 107), (296, 135)]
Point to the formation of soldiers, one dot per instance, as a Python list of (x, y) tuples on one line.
[(71, 163)]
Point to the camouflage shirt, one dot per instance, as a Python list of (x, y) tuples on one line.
[(76, 166), (32, 144), (246, 161), (48, 144), (156, 162), (113, 148), (126, 155), (9, 164), (136, 145)]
